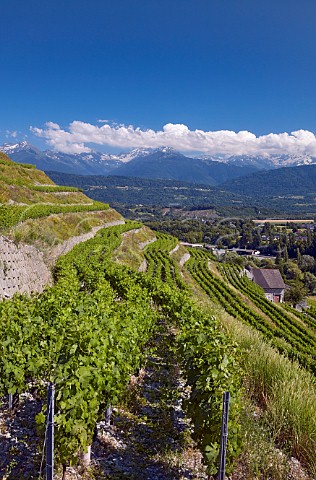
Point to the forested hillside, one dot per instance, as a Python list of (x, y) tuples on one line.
[(133, 191), (255, 199), (299, 181)]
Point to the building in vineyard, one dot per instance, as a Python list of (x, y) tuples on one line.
[(271, 281)]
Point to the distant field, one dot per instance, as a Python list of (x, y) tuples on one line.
[(283, 221)]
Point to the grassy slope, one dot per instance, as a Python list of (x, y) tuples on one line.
[(19, 183), (130, 252), (54, 229)]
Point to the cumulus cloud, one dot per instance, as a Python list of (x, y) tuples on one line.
[(53, 126), (75, 138)]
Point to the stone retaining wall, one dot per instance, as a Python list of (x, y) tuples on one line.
[(65, 247), (22, 269), (142, 245), (184, 259)]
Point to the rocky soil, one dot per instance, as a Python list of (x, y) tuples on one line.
[(148, 437)]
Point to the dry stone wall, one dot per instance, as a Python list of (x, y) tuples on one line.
[(65, 247), (142, 245), (22, 269), (184, 259)]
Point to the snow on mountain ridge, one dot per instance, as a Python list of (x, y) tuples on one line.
[(137, 152), (9, 147), (263, 161)]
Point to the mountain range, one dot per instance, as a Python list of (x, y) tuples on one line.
[(159, 163), (83, 163), (145, 163)]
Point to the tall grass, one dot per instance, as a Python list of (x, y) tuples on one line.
[(285, 392)]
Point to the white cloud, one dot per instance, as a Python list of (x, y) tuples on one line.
[(11, 134), (79, 134), (53, 126)]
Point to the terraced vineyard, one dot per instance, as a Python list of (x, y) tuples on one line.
[(27, 193), (92, 331), (308, 316), (290, 333), (88, 333), (159, 262), (10, 216)]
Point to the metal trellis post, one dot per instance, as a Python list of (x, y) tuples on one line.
[(50, 433), (224, 435), (108, 414)]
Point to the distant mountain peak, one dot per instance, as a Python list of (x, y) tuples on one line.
[(10, 148), (138, 153)]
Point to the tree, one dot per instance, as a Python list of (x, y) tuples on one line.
[(291, 270), (295, 293), (257, 240), (267, 263), (278, 258), (309, 282), (245, 239), (307, 263), (233, 257)]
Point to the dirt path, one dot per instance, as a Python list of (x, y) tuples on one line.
[(150, 436)]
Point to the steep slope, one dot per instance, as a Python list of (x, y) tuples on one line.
[(28, 194), (39, 221), (23, 183)]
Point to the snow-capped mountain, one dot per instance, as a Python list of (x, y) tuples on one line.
[(292, 160), (262, 162), (93, 163), (138, 152), (164, 162), (152, 163), (167, 163)]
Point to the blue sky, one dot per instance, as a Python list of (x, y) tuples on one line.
[(211, 65)]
